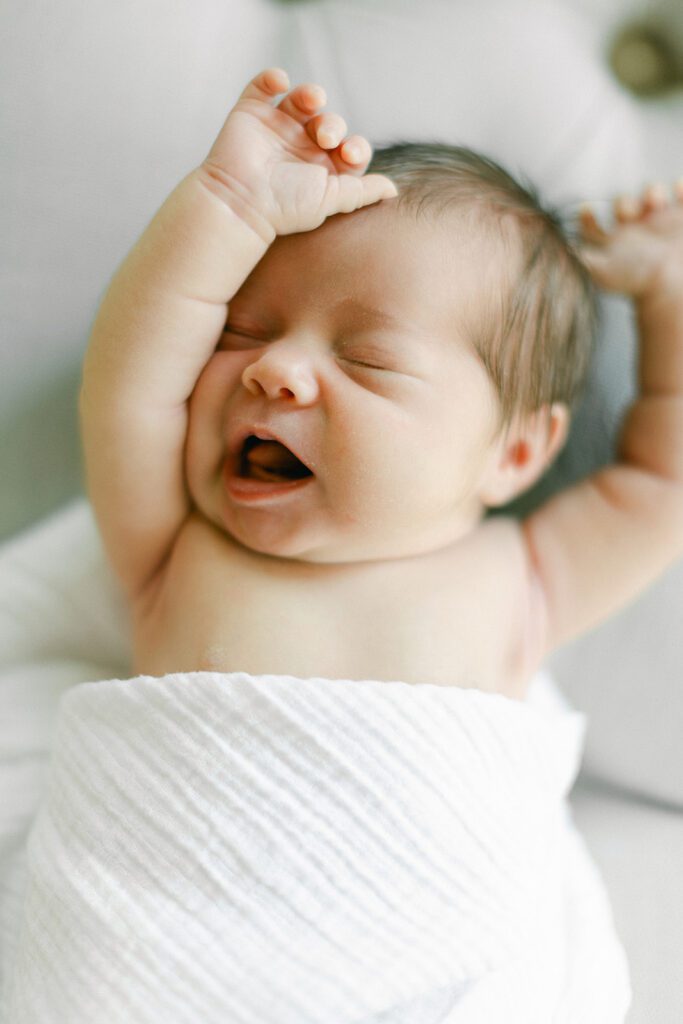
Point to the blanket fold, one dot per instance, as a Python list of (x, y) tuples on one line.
[(270, 850)]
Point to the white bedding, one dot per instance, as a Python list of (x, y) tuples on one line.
[(223, 847)]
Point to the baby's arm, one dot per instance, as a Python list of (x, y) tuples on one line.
[(274, 169), (596, 546)]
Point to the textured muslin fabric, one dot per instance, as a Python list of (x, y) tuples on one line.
[(224, 847)]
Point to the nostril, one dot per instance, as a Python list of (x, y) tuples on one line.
[(253, 385), (286, 393)]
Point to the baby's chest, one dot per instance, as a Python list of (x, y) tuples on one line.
[(220, 608)]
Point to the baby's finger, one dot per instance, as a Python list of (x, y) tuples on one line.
[(375, 187), (266, 85), (655, 197), (346, 192), (627, 209), (353, 155), (326, 130), (591, 229), (303, 102)]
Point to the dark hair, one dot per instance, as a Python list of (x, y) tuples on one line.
[(537, 340)]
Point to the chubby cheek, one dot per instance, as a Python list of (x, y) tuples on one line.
[(407, 471), (379, 476)]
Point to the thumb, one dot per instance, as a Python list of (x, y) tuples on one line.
[(376, 187), (348, 192)]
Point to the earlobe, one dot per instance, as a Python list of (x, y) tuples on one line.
[(525, 453)]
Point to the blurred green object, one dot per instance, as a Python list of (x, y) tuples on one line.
[(644, 61)]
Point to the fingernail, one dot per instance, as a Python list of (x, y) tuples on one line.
[(282, 74), (352, 153)]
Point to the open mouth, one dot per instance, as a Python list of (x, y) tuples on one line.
[(269, 461)]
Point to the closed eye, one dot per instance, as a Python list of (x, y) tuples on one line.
[(368, 366), (387, 375), (363, 353), (228, 329), (229, 332)]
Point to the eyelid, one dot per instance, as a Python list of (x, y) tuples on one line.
[(235, 330), (231, 340), (370, 366)]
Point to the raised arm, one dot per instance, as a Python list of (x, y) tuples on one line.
[(593, 548), (274, 169)]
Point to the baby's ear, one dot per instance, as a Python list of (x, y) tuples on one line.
[(523, 454)]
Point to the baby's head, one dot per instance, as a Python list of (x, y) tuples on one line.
[(534, 330), (420, 355)]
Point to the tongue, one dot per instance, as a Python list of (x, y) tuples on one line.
[(270, 460)]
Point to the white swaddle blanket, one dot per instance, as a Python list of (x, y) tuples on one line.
[(271, 850)]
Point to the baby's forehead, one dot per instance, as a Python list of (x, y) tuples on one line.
[(449, 255), (383, 237)]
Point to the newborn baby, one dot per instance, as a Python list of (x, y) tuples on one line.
[(301, 487)]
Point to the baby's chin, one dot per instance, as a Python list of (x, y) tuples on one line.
[(275, 538), (285, 551), (294, 547)]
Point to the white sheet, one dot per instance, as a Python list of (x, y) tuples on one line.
[(223, 847)]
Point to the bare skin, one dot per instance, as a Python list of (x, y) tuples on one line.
[(380, 565)]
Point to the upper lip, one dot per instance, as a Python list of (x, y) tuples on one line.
[(241, 432)]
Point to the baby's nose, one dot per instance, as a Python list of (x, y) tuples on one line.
[(282, 373)]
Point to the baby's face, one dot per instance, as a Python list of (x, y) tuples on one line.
[(350, 344)]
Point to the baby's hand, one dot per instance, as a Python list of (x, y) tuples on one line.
[(643, 253), (286, 167)]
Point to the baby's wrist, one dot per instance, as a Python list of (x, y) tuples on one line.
[(665, 285), (234, 197)]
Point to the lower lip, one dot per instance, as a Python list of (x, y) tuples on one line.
[(249, 492)]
